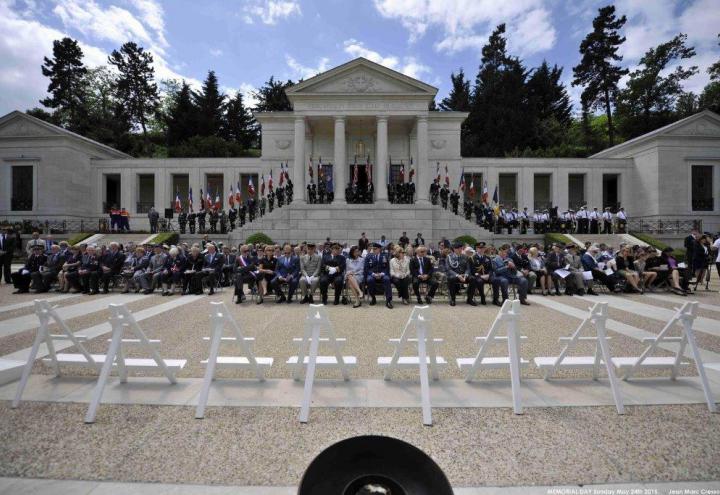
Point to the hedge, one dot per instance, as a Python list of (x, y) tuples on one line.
[(554, 237), (258, 238), (169, 238), (678, 253), (77, 238), (466, 239)]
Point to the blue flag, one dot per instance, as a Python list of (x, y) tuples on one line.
[(496, 199)]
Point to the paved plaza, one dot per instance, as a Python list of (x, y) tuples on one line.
[(145, 430)]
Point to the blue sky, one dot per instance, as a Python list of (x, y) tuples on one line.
[(247, 41)]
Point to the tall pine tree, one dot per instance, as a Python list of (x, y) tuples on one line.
[(66, 71), (710, 97), (271, 96), (239, 125), (210, 104), (135, 86), (181, 120), (459, 97), (549, 106), (598, 72), (649, 99)]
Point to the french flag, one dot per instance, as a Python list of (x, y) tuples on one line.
[(238, 194), (251, 187), (178, 204), (190, 200)]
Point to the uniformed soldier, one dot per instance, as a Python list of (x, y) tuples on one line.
[(252, 205), (607, 217), (223, 222), (289, 192), (377, 270), (411, 192), (481, 270), (243, 214), (434, 192), (391, 193), (454, 201), (232, 217), (583, 220), (182, 220), (280, 197), (202, 214), (594, 221), (214, 217), (444, 194), (263, 206), (270, 201), (321, 192), (524, 220), (621, 221), (458, 272), (191, 219)]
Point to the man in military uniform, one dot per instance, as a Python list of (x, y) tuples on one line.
[(289, 192), (607, 217), (434, 192), (404, 240), (454, 201), (594, 221), (524, 220), (583, 221), (411, 192), (321, 192), (182, 220), (263, 206), (332, 271), (444, 194), (481, 270), (202, 214), (232, 217), (214, 217), (271, 201), (458, 268), (223, 222), (243, 213), (391, 193), (377, 269), (280, 197), (191, 219), (621, 221), (22, 278), (350, 193), (251, 208)]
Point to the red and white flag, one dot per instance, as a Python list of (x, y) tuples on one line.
[(282, 174), (208, 201), (472, 186), (412, 170), (437, 170), (270, 182), (462, 180), (447, 177), (231, 197), (202, 200), (262, 185), (178, 204), (218, 201), (251, 187), (190, 200), (310, 171), (485, 193), (402, 172), (238, 194)]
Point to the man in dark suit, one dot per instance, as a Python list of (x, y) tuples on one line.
[(421, 269), (419, 240), (286, 272), (22, 278), (245, 272), (42, 280), (332, 271), (111, 264), (212, 267), (7, 248)]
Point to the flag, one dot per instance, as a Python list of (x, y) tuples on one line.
[(202, 200), (369, 170), (485, 193), (251, 187), (412, 170), (282, 174), (402, 172), (231, 197), (437, 170), (238, 194), (496, 198), (218, 201), (287, 174), (356, 173), (270, 182), (472, 186), (190, 200), (310, 171), (330, 184), (320, 169), (447, 177), (462, 180), (208, 201), (178, 204)]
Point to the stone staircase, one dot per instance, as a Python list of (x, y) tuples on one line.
[(609, 239)]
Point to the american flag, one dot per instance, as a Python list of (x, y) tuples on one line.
[(412, 170), (282, 174), (251, 187)]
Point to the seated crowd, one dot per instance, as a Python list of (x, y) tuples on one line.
[(368, 269)]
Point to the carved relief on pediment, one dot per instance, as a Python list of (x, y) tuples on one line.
[(22, 128)]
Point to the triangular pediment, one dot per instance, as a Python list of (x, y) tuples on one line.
[(703, 126), (361, 76), (17, 125)]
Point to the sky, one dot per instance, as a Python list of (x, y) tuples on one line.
[(247, 41)]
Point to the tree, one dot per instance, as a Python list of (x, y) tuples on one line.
[(181, 119), (714, 69), (135, 86), (648, 101), (67, 86), (239, 125), (498, 121), (107, 122), (597, 72), (687, 104), (459, 97), (42, 114), (210, 103), (549, 106), (710, 97), (271, 96)]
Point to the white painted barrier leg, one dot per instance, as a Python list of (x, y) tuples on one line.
[(614, 384), (514, 365), (424, 379), (39, 337), (310, 372), (104, 374), (210, 369), (701, 368)]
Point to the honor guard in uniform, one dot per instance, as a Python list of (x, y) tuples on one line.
[(232, 217), (223, 222), (280, 195), (332, 271), (243, 214), (444, 194), (289, 192), (481, 270), (607, 218), (191, 220), (594, 221), (454, 201), (457, 267), (270, 201), (434, 192), (182, 220), (411, 192), (524, 217), (621, 221), (263, 205), (391, 193), (252, 204), (583, 220), (321, 192), (377, 269), (202, 214), (214, 217)]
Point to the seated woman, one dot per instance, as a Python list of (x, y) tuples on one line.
[(647, 277), (537, 266), (671, 265), (192, 276), (72, 262), (354, 268), (400, 274), (173, 274), (625, 268), (266, 269)]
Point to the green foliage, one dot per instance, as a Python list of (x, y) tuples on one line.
[(207, 146), (67, 73), (209, 104), (648, 239), (169, 238), (239, 126), (78, 238), (272, 98), (458, 99), (466, 239), (710, 97), (554, 237), (258, 238), (598, 71)]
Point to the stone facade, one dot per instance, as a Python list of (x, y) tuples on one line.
[(360, 111)]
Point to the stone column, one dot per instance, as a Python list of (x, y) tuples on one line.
[(339, 165), (422, 172), (299, 162), (380, 174)]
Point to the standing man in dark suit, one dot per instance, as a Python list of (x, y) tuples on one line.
[(7, 248), (363, 243), (421, 269)]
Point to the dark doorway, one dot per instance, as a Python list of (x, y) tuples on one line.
[(611, 196), (112, 192), (362, 176)]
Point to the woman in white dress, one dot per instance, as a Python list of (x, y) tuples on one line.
[(400, 274)]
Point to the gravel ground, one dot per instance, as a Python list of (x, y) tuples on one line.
[(474, 447), (7, 315)]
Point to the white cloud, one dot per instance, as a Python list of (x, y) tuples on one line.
[(465, 23), (300, 71), (270, 11), (216, 52), (409, 66)]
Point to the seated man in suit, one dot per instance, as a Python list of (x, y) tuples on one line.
[(89, 265), (506, 273), (245, 272), (310, 265), (228, 266), (111, 264), (377, 269), (457, 267), (332, 271), (589, 264), (212, 267), (22, 278), (421, 269), (154, 272), (42, 280), (481, 269), (287, 272)]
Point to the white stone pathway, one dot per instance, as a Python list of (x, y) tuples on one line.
[(681, 299), (27, 304)]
